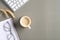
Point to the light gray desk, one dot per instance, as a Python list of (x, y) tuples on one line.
[(45, 16)]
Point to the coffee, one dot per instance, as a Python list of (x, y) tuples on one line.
[(25, 21)]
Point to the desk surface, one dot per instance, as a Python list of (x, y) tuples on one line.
[(45, 20)]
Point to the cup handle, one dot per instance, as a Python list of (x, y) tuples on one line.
[(29, 27)]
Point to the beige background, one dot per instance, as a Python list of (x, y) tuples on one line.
[(45, 16)]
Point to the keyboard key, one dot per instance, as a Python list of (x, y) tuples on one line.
[(9, 2), (13, 5), (16, 7)]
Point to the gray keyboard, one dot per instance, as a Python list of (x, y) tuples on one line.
[(15, 4)]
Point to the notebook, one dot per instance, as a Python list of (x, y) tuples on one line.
[(7, 30)]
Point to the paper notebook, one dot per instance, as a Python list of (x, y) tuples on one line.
[(7, 30)]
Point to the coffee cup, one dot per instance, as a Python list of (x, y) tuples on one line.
[(25, 22)]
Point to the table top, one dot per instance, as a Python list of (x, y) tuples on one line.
[(45, 20)]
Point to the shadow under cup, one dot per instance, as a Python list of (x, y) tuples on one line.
[(25, 22)]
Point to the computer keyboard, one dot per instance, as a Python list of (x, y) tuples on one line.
[(15, 4)]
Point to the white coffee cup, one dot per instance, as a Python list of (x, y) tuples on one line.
[(25, 21)]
